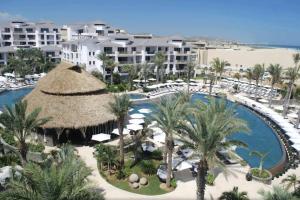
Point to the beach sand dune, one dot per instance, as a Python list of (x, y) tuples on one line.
[(248, 57)]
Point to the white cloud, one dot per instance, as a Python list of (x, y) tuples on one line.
[(5, 16)]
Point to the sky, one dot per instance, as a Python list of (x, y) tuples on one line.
[(249, 21)]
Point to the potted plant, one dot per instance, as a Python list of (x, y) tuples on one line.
[(260, 174)]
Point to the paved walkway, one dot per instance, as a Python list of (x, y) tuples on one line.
[(185, 189)]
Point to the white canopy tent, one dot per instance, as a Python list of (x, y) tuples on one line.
[(145, 110), (137, 116), (134, 127), (136, 121)]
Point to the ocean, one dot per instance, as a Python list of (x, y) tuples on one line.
[(275, 46)]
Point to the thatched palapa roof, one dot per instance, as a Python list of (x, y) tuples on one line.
[(72, 97)]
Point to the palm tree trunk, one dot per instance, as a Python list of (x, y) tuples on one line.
[(271, 96), (201, 179), (111, 78), (23, 152), (287, 100), (298, 120), (256, 90), (165, 150), (169, 166), (157, 75), (120, 127), (210, 87)]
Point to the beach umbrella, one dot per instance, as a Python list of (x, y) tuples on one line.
[(101, 137), (116, 131), (151, 79), (159, 137), (145, 110), (136, 81), (137, 116), (134, 127), (170, 81), (136, 121), (179, 80)]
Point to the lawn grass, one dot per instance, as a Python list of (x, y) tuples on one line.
[(153, 186)]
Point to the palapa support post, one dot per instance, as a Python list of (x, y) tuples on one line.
[(83, 132), (59, 131)]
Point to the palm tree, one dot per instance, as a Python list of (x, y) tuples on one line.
[(159, 59), (291, 181), (275, 72), (189, 70), (169, 113), (107, 63), (16, 121), (219, 66), (234, 195), (65, 179), (258, 73), (292, 75), (207, 129), (144, 71), (262, 157), (249, 75), (132, 73), (212, 78), (278, 193), (119, 107)]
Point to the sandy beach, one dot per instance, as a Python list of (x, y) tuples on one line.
[(248, 57)]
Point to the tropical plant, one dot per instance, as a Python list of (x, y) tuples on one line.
[(257, 74), (237, 76), (159, 59), (249, 75), (65, 179), (208, 128), (107, 62), (20, 124), (292, 74), (170, 111), (262, 157), (190, 68), (277, 193), (291, 181), (106, 155), (119, 107), (211, 76), (145, 70), (219, 66), (275, 72), (132, 73), (234, 195)]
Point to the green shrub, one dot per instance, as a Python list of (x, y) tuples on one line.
[(148, 167), (123, 173), (8, 137), (256, 172), (173, 183), (156, 155), (39, 147), (210, 179), (9, 159)]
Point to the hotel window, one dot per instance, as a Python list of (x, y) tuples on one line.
[(90, 53), (93, 62), (93, 53), (6, 30), (133, 49), (90, 62)]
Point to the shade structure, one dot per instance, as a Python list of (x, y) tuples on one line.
[(116, 131), (134, 127), (137, 116), (72, 97), (170, 81), (151, 79), (136, 121), (145, 110), (179, 80), (101, 137)]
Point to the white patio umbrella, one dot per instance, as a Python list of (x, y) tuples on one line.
[(159, 137), (293, 115), (136, 121), (170, 81), (145, 110), (263, 100), (179, 80), (184, 165), (134, 127), (151, 79), (101, 137), (137, 116), (116, 131)]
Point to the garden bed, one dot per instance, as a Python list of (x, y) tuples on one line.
[(264, 177)]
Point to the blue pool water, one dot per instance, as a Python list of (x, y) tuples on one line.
[(136, 96), (10, 97), (260, 138)]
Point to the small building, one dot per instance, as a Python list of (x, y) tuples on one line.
[(77, 103)]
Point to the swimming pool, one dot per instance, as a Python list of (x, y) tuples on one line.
[(12, 96), (261, 137), (135, 96)]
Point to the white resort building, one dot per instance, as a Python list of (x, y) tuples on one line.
[(127, 49), (21, 34)]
